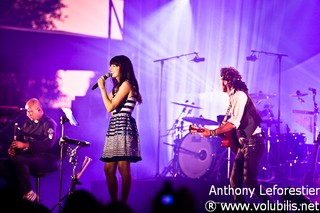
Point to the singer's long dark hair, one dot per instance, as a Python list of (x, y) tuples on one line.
[(126, 73)]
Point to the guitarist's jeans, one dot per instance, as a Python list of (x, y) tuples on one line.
[(246, 167)]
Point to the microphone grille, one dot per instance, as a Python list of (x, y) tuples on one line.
[(107, 75)]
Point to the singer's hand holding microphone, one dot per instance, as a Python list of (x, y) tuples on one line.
[(102, 78)]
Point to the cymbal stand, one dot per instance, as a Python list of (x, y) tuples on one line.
[(173, 165), (175, 124)]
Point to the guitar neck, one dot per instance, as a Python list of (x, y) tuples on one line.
[(195, 129)]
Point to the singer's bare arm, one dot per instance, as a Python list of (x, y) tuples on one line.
[(112, 103)]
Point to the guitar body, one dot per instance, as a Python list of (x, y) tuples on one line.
[(228, 139)]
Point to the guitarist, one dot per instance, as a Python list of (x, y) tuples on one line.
[(244, 123)]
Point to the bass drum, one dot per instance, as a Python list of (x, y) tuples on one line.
[(196, 155)]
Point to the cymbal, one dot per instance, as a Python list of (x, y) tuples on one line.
[(298, 94), (200, 120), (187, 105), (261, 95)]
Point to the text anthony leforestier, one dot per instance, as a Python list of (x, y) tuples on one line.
[(275, 190)]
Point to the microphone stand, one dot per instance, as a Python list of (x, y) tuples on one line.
[(279, 56), (68, 117), (160, 101), (315, 114), (63, 120)]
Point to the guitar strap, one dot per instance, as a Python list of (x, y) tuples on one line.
[(232, 135), (227, 113)]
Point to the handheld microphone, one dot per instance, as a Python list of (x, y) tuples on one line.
[(105, 77)]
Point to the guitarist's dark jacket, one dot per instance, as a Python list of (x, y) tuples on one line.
[(250, 120)]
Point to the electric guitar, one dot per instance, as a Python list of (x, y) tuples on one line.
[(228, 139), (311, 178)]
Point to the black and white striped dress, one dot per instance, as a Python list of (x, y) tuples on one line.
[(122, 140)]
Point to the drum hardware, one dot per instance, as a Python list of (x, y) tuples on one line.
[(260, 96), (298, 95), (268, 106), (196, 155), (268, 169), (162, 60), (176, 131), (193, 157), (268, 118), (303, 112), (187, 105), (178, 126), (285, 153), (173, 165), (200, 121), (267, 112)]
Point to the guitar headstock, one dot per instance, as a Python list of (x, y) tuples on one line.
[(193, 128)]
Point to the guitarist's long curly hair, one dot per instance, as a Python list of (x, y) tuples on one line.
[(233, 77)]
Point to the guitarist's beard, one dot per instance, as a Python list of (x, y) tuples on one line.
[(224, 88)]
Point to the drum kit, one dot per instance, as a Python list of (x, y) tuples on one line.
[(197, 157), (285, 152), (193, 155)]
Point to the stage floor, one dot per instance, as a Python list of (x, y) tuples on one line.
[(187, 192)]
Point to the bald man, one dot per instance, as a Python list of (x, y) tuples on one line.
[(31, 151)]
